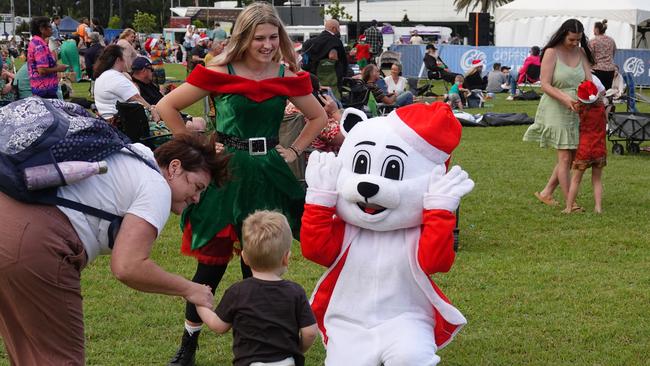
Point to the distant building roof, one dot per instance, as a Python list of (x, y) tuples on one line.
[(209, 13), (416, 10)]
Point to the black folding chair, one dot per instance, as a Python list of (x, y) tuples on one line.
[(354, 93), (531, 76), (134, 123)]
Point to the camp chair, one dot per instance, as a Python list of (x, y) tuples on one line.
[(531, 76), (134, 123), (354, 93), (326, 73)]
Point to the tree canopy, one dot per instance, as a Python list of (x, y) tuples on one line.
[(483, 5)]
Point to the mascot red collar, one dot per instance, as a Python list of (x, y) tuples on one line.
[(380, 217)]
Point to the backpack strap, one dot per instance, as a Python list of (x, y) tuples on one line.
[(115, 220)]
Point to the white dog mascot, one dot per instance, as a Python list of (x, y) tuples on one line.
[(380, 216)]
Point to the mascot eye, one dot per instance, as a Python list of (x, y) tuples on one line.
[(361, 162), (393, 168)]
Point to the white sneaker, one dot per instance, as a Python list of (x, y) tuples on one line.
[(510, 97)]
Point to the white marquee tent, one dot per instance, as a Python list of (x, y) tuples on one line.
[(532, 22)]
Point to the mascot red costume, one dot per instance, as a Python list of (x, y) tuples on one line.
[(380, 216)]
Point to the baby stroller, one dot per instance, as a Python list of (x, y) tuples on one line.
[(386, 60)]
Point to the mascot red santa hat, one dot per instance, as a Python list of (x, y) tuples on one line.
[(380, 217)]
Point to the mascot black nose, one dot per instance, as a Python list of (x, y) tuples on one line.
[(367, 190)]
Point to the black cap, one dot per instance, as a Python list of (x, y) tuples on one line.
[(140, 63)]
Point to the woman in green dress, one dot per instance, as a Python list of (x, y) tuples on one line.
[(250, 88), (69, 55), (566, 62)]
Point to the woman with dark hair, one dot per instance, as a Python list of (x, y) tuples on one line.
[(111, 85), (41, 305), (532, 60), (566, 62), (604, 48), (41, 65)]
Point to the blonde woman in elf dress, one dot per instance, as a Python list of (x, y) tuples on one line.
[(566, 62), (250, 88)]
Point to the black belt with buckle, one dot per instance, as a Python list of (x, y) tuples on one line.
[(254, 145)]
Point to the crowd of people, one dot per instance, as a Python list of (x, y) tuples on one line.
[(253, 79)]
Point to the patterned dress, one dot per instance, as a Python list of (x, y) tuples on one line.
[(245, 109)]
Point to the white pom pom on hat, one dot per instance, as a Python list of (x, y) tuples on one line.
[(430, 129)]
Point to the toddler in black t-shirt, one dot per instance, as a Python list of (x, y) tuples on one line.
[(271, 318)]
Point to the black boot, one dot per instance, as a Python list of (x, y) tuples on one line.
[(185, 354)]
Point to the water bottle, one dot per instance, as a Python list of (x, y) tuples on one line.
[(44, 176)]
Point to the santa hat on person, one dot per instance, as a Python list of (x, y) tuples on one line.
[(362, 38), (150, 43), (204, 37), (587, 92), (430, 129), (477, 63)]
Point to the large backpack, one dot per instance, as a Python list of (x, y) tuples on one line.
[(35, 131)]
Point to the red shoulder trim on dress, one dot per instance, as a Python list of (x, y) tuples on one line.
[(258, 91)]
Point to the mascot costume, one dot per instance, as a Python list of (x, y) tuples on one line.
[(380, 216)]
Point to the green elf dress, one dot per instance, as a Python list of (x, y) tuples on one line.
[(246, 109)]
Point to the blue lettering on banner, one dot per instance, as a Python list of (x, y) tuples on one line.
[(459, 59)]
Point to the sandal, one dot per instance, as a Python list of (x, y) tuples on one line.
[(574, 209), (547, 200)]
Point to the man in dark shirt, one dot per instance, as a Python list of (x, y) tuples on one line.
[(92, 52), (197, 55), (318, 49), (142, 75), (374, 39)]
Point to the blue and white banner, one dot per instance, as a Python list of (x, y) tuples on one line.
[(459, 58)]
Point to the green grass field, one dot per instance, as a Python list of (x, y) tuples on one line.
[(538, 287)]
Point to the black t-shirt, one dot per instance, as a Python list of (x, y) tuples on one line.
[(266, 318), (149, 92), (197, 51)]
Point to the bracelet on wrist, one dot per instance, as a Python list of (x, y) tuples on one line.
[(295, 151)]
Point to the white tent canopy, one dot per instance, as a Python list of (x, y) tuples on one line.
[(532, 22)]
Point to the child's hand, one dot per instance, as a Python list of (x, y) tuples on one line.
[(212, 320)]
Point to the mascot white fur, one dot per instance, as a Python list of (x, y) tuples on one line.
[(380, 217)]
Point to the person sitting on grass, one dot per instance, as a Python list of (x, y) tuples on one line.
[(474, 79), (457, 94), (271, 319), (497, 79)]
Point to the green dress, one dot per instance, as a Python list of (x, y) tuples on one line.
[(257, 182), (69, 55), (556, 125)]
